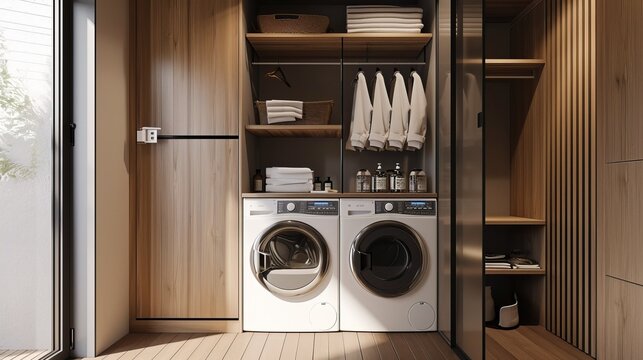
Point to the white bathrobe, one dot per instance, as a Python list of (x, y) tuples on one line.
[(417, 120), (381, 115), (361, 118), (401, 108)]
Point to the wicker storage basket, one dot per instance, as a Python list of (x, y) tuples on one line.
[(293, 23), (315, 113)]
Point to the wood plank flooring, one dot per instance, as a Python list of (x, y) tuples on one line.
[(22, 354), (529, 342), (280, 346)]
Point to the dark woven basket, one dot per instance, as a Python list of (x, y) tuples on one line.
[(293, 23), (315, 113)]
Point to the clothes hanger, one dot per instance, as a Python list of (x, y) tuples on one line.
[(278, 74)]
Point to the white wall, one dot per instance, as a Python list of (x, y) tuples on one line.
[(112, 171)]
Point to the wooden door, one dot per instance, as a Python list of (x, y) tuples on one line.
[(187, 235), (187, 263)]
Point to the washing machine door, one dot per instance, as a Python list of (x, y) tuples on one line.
[(290, 258), (388, 258)]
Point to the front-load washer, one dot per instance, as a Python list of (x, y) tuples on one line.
[(290, 265), (388, 279)]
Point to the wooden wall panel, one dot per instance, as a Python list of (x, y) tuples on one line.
[(571, 174), (188, 66), (187, 240), (624, 221), (527, 113), (623, 321)]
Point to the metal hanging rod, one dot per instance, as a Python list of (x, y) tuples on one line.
[(277, 63), (385, 63)]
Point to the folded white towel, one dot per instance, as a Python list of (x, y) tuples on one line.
[(287, 181), (292, 103), (376, 9), (384, 30), (417, 120), (399, 115), (303, 188), (284, 109), (279, 111), (289, 173), (276, 114), (361, 116), (385, 26), (381, 115), (384, 20), (414, 16)]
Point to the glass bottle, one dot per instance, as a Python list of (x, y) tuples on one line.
[(317, 185), (257, 181), (328, 184), (380, 179), (399, 182)]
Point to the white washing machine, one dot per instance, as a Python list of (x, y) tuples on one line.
[(388, 279), (290, 265)]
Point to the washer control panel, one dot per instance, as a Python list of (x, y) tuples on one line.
[(407, 207), (315, 207)]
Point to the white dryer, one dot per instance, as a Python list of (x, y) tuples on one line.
[(388, 279), (290, 265)]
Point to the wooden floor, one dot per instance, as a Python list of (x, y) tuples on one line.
[(265, 346), (22, 354), (529, 342)]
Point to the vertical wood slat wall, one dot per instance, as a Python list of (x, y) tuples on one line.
[(571, 188)]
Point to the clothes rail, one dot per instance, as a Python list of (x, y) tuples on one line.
[(198, 137)]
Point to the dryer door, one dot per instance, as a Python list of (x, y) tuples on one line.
[(388, 258), (290, 258)]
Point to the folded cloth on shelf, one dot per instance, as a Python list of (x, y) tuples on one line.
[(289, 173), (381, 115), (385, 26), (360, 16), (418, 116), (290, 188), (384, 30), (358, 9), (535, 266), (385, 20), (284, 110), (400, 109), (287, 181), (361, 116)]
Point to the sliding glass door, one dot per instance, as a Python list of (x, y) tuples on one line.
[(32, 195)]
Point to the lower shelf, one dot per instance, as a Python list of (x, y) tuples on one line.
[(301, 131), (515, 272)]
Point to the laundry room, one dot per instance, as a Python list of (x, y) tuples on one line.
[(320, 179)]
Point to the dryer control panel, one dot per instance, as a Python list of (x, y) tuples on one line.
[(313, 207), (407, 207)]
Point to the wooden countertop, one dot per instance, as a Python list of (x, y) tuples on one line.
[(341, 195)]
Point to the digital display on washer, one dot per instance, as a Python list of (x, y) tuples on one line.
[(322, 207)]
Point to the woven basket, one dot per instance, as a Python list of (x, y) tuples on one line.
[(292, 23), (315, 113)]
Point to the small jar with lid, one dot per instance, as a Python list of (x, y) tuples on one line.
[(363, 181)]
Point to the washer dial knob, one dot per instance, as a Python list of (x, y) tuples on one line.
[(388, 207), (290, 206)]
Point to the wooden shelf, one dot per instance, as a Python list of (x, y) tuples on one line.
[(512, 220), (513, 69), (329, 45), (342, 195), (515, 272), (301, 131)]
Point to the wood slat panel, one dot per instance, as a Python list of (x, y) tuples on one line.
[(570, 156), (187, 243), (185, 86)]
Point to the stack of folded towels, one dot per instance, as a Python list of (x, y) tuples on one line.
[(383, 19), (284, 111), (289, 179)]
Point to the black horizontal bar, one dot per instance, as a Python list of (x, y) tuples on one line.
[(198, 137), (191, 319)]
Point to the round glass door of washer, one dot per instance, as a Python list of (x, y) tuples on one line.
[(290, 258), (388, 258)]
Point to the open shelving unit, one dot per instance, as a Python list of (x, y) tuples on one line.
[(514, 272), (513, 69)]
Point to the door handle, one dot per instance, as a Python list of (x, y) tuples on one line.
[(480, 119)]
